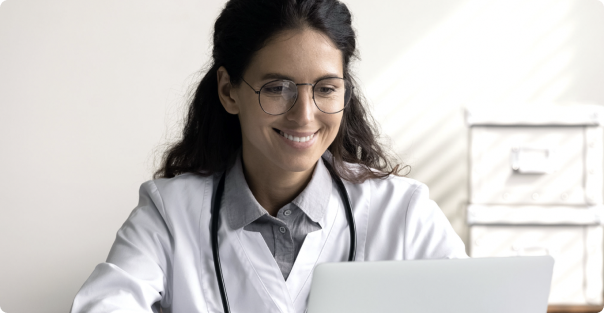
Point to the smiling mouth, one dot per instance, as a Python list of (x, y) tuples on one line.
[(294, 138)]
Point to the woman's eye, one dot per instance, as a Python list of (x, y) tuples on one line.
[(325, 90), (278, 89), (275, 89)]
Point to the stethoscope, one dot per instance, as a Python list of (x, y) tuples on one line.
[(216, 216)]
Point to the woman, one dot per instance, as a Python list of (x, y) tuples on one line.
[(275, 114)]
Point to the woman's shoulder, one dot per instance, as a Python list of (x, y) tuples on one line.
[(174, 202), (384, 182), (185, 190), (398, 182), (177, 185), (385, 192), (398, 188)]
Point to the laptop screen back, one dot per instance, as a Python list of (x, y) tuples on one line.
[(514, 284)]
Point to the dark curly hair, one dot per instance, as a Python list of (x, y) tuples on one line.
[(211, 136)]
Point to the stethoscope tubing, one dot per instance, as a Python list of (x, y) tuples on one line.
[(214, 230), (216, 217), (348, 208)]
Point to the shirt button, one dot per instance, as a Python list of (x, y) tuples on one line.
[(287, 212), (282, 229)]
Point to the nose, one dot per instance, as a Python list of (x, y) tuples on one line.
[(303, 111)]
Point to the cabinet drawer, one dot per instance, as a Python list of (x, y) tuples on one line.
[(577, 250), (536, 165)]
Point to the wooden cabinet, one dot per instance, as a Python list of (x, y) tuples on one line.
[(536, 187)]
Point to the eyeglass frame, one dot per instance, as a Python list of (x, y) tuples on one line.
[(298, 93)]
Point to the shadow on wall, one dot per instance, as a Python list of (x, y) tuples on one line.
[(485, 53)]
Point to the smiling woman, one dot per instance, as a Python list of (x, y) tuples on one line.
[(277, 136), (280, 40)]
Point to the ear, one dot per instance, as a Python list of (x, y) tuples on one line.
[(226, 91)]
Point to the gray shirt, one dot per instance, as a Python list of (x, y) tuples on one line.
[(284, 234)]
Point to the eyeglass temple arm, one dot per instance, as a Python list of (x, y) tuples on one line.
[(256, 91)]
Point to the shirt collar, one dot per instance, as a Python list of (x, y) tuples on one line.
[(241, 205)]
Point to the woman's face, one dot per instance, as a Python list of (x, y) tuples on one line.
[(302, 56)]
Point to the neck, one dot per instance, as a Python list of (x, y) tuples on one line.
[(273, 187)]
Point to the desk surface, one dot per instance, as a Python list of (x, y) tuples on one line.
[(574, 308)]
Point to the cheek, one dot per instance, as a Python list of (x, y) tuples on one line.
[(248, 116), (333, 123), (254, 122)]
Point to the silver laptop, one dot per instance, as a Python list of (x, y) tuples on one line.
[(494, 285)]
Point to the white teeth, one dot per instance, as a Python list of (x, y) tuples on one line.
[(296, 139)]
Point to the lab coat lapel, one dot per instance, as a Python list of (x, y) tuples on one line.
[(248, 271), (268, 278), (314, 250), (331, 243)]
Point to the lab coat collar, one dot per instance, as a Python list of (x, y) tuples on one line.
[(242, 208), (240, 205), (314, 198)]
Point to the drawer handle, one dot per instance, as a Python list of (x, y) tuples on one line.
[(524, 250), (532, 160)]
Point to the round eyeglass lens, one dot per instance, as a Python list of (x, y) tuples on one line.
[(332, 94), (277, 97)]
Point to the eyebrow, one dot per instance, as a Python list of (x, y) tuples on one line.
[(282, 76)]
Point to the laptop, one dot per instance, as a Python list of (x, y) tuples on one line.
[(494, 285)]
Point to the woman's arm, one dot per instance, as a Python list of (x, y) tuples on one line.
[(428, 233), (139, 264)]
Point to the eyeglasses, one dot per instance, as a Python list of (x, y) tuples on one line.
[(331, 95)]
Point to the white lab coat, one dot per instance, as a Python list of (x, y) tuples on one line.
[(163, 252)]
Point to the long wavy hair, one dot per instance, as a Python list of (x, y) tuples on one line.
[(211, 137)]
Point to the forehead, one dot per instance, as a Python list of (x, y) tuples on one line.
[(303, 55)]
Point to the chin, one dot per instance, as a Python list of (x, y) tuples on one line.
[(298, 164)]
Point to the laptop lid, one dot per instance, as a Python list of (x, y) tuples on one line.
[(495, 285)]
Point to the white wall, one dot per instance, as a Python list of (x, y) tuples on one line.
[(423, 61), (90, 90)]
